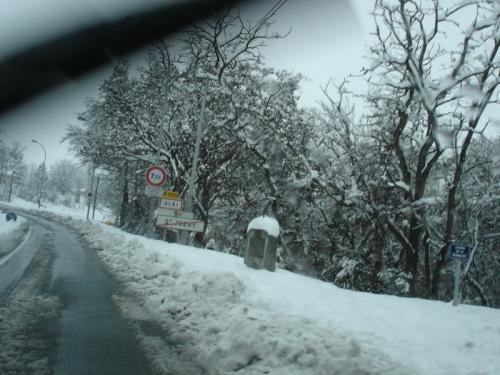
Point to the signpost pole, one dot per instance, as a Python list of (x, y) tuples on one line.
[(456, 289), (43, 172), (459, 253), (153, 200), (150, 229), (196, 155)]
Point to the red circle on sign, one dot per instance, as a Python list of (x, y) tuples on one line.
[(156, 175)]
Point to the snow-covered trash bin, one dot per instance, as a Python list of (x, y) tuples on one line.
[(262, 241)]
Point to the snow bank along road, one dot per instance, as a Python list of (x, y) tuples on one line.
[(60, 317), (14, 260), (203, 312)]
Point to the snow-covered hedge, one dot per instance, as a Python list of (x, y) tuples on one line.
[(12, 233)]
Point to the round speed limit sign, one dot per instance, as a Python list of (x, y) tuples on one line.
[(156, 175)]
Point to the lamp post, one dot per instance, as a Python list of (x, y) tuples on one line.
[(43, 171), (194, 167), (89, 194)]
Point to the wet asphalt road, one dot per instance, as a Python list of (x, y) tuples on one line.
[(92, 337)]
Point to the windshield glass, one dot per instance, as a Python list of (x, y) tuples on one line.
[(281, 187)]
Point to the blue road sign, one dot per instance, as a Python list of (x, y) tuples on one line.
[(460, 252), (11, 216)]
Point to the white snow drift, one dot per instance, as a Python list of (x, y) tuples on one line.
[(250, 321), (265, 223), (245, 321)]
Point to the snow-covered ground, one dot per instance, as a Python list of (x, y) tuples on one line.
[(77, 211), (11, 233), (284, 323), (245, 321)]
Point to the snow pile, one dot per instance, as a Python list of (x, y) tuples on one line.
[(233, 319), (247, 321), (224, 310), (265, 223), (11, 233), (79, 211)]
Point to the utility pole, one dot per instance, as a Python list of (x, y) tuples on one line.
[(95, 196), (89, 194), (10, 187), (194, 167), (43, 172)]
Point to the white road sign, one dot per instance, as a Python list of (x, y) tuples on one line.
[(156, 175), (173, 222), (173, 204), (178, 214), (152, 191)]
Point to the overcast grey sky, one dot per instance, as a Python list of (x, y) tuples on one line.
[(327, 41)]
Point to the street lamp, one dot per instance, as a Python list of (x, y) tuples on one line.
[(43, 171)]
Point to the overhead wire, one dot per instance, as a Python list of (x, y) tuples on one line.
[(271, 12)]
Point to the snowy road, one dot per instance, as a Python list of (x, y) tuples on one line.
[(89, 335)]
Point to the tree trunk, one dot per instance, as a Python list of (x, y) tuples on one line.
[(478, 288), (412, 254)]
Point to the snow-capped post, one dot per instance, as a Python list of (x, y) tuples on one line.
[(262, 241)]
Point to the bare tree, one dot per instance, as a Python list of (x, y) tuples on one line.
[(421, 87)]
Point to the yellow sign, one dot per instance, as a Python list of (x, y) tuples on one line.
[(171, 194)]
